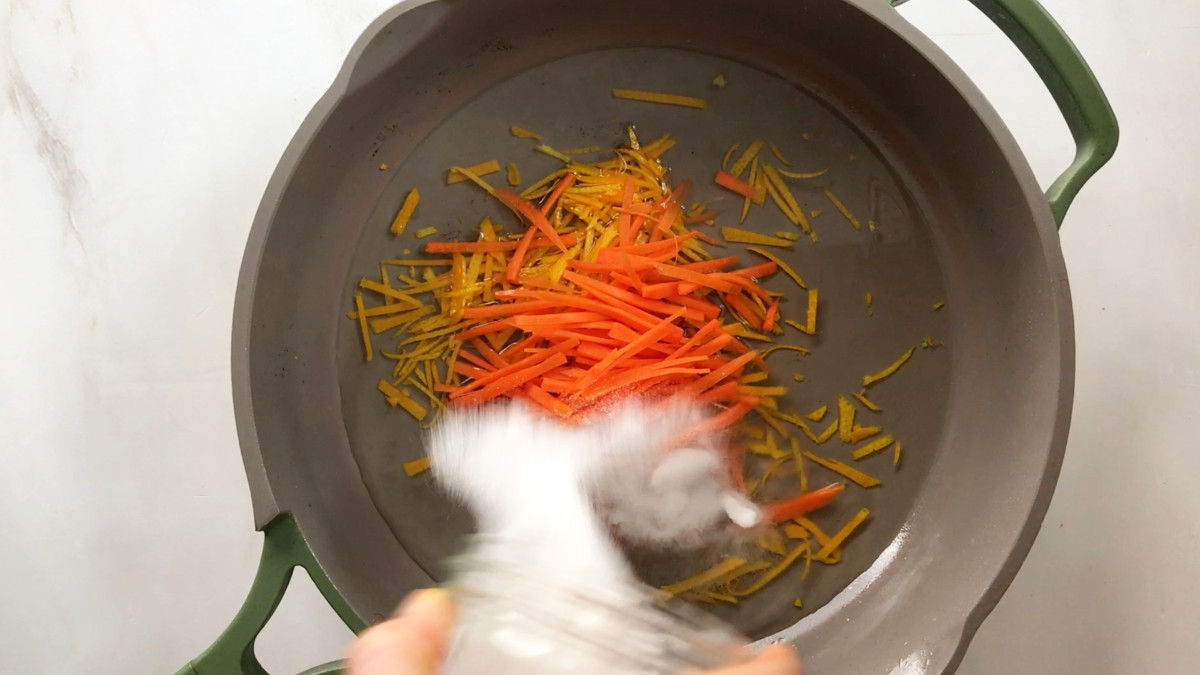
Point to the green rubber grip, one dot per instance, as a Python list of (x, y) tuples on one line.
[(1071, 82), (284, 549)]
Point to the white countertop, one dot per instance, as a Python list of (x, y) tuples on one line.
[(135, 141)]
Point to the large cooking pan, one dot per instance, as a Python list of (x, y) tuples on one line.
[(841, 83)]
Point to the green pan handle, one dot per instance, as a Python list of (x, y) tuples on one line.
[(284, 549), (1069, 79)]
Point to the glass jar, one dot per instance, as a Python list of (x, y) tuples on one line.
[(513, 621)]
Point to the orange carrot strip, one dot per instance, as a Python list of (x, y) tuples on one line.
[(644, 340), (721, 373), (612, 254), (513, 273), (729, 182), (506, 309), (557, 193), (558, 319), (515, 367), (708, 281), (624, 232), (633, 299), (723, 392), (532, 214), (660, 291), (756, 271), (772, 314), (701, 217), (482, 329), (714, 265), (485, 350), (539, 396), (628, 315), (737, 304), (513, 380)]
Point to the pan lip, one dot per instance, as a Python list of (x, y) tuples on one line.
[(262, 496), (266, 506)]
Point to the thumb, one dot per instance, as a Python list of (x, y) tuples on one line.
[(412, 643)]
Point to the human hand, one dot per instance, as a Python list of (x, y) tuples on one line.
[(414, 642)]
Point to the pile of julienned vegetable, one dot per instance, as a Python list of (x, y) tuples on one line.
[(600, 288)]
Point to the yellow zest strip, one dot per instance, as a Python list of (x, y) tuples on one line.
[(779, 155), (859, 433), (843, 534), (514, 174), (380, 325), (896, 454), (741, 236), (711, 574), (458, 175), (845, 211), (790, 236), (872, 447), (867, 403), (818, 414), (829, 432), (592, 148), (382, 310), (396, 397), (769, 576), (748, 156), (797, 603), (425, 232), (851, 473), (810, 174), (938, 305), (797, 377), (525, 133), (783, 267), (794, 211), (417, 466), (792, 348), (418, 262), (801, 470), (796, 531), (547, 150), (406, 211), (868, 380), (762, 391), (653, 97), (362, 324), (388, 291), (474, 178), (729, 153), (845, 418)]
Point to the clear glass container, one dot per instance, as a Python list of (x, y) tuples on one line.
[(513, 621)]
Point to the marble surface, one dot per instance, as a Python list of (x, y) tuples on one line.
[(135, 140)]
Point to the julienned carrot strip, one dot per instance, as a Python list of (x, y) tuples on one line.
[(661, 290), (719, 393), (488, 353), (714, 265), (802, 504), (507, 309), (644, 340), (704, 331), (721, 373), (634, 375), (741, 187), (557, 319), (515, 367), (563, 185), (737, 304), (532, 214), (491, 246), (638, 301), (516, 349), (712, 241), (772, 314), (631, 316), (477, 360), (706, 280), (612, 255), (468, 370), (708, 309), (547, 401), (756, 271), (726, 418), (513, 273), (513, 380)]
